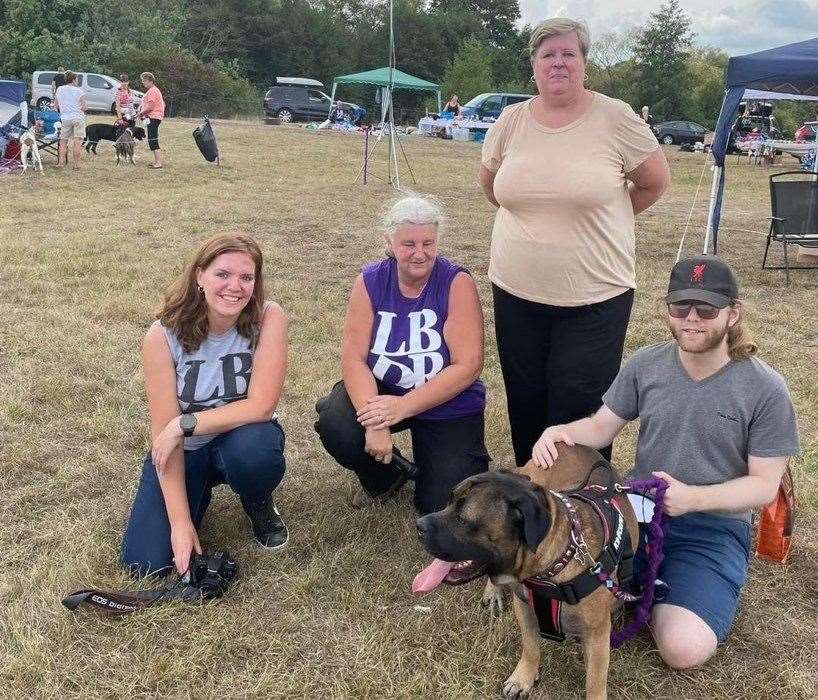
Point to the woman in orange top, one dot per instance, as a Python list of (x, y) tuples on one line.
[(152, 109)]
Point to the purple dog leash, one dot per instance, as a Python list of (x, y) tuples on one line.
[(655, 551)]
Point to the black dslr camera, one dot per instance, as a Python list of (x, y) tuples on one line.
[(210, 574)]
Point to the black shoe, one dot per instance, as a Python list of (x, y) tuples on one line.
[(268, 527)]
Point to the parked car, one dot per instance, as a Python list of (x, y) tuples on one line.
[(100, 90), (488, 105), (758, 123), (679, 132), (302, 98), (807, 132)]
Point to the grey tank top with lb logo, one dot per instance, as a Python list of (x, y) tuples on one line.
[(215, 374)]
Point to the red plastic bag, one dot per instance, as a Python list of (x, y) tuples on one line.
[(776, 522)]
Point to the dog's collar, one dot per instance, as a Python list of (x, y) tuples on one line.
[(577, 547)]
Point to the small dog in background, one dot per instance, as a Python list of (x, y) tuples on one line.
[(124, 147), (29, 151)]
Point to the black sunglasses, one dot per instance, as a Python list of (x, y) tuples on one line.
[(703, 311)]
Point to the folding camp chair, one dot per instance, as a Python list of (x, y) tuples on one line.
[(48, 141), (49, 145), (794, 203)]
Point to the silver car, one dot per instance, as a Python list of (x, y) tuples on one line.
[(100, 90)]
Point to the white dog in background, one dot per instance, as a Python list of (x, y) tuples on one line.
[(29, 151)]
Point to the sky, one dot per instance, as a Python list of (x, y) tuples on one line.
[(735, 26)]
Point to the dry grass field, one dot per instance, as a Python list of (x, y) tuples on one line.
[(83, 257)]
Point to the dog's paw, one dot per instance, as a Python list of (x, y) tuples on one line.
[(492, 598), (517, 687)]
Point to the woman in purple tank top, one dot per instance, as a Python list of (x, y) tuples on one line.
[(411, 359)]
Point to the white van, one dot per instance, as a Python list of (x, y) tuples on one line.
[(100, 90)]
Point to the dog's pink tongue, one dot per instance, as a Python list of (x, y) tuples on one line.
[(431, 577)]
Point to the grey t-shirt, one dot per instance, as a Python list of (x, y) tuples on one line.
[(701, 432), (214, 375)]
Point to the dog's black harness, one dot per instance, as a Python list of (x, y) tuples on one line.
[(612, 569)]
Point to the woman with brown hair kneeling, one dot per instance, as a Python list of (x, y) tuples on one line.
[(214, 365), (411, 358)]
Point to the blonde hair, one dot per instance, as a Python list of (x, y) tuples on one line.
[(740, 344), (184, 309), (557, 26), (147, 76), (411, 208)]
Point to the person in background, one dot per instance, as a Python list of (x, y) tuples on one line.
[(718, 425), (411, 357), (214, 364), (125, 111), (562, 261), (453, 105), (57, 81), (69, 101), (647, 117), (152, 109)]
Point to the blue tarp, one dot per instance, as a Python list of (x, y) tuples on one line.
[(790, 69), (12, 91)]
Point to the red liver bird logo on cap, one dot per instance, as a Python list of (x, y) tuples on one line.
[(698, 273)]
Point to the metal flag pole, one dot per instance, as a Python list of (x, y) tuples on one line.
[(393, 157)]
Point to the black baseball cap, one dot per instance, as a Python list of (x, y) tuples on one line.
[(704, 278)]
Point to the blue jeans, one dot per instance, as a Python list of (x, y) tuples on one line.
[(249, 459)]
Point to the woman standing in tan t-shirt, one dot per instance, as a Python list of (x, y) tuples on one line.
[(568, 170)]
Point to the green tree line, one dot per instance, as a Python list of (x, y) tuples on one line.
[(220, 57)]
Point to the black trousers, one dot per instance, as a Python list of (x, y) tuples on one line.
[(153, 133), (444, 451), (557, 361)]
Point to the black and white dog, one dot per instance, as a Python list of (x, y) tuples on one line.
[(124, 146), (108, 132)]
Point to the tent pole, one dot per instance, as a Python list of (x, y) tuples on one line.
[(392, 136), (439, 105), (714, 189), (332, 99)]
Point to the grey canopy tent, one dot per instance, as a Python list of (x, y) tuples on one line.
[(789, 71)]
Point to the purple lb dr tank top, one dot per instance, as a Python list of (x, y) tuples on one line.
[(407, 347)]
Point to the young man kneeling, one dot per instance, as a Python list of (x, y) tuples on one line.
[(717, 424)]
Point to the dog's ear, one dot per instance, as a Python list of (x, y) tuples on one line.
[(531, 516)]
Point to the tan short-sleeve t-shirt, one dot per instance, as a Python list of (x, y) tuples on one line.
[(564, 232)]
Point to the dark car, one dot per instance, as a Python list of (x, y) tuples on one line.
[(488, 105), (291, 99), (679, 132), (756, 123)]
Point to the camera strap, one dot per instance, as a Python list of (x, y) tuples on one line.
[(208, 576), (124, 602)]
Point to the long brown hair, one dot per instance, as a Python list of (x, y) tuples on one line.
[(184, 309), (740, 344)]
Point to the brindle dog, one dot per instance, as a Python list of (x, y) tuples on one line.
[(508, 525)]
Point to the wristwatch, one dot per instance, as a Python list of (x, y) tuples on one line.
[(187, 422)]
